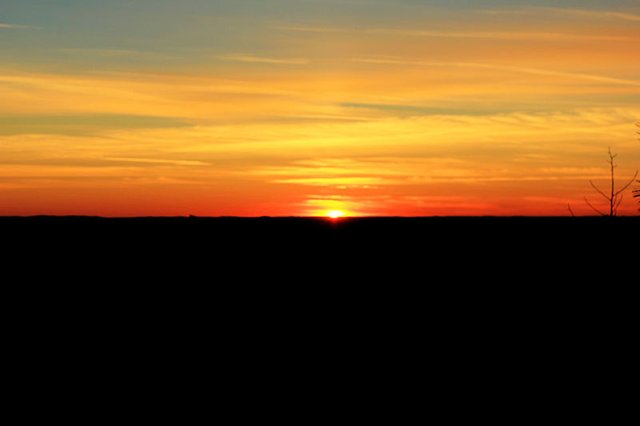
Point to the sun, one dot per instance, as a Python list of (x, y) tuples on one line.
[(335, 214)]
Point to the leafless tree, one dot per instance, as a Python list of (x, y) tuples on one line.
[(615, 196), (636, 193)]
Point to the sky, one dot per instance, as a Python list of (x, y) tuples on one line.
[(300, 107)]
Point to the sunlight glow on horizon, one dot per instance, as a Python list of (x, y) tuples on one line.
[(281, 108)]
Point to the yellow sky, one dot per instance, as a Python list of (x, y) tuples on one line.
[(439, 112)]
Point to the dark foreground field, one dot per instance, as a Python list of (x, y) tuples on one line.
[(428, 240), (307, 229), (500, 291), (298, 227), (474, 259)]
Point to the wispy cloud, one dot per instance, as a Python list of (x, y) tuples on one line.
[(603, 14), (14, 27), (596, 14), (84, 124), (311, 29), (238, 57), (496, 35), (525, 70), (101, 52), (335, 181), (410, 109), (157, 161), (492, 35)]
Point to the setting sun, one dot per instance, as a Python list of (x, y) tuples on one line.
[(324, 109)]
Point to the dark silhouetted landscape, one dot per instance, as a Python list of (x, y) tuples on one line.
[(456, 286), (490, 241)]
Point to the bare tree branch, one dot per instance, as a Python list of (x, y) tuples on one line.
[(628, 184), (636, 193), (594, 209), (571, 210), (618, 202), (615, 197), (606, 197)]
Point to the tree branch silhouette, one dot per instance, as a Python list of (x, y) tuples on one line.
[(636, 193), (615, 197), (594, 208), (606, 197)]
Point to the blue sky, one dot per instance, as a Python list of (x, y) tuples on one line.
[(178, 28)]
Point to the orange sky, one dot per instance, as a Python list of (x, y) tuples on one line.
[(369, 107)]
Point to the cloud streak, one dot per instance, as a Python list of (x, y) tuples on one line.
[(312, 29), (520, 36), (490, 35), (14, 27), (83, 124), (109, 53), (596, 14), (238, 57), (524, 70), (157, 161)]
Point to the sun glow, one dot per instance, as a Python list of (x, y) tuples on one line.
[(365, 110)]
